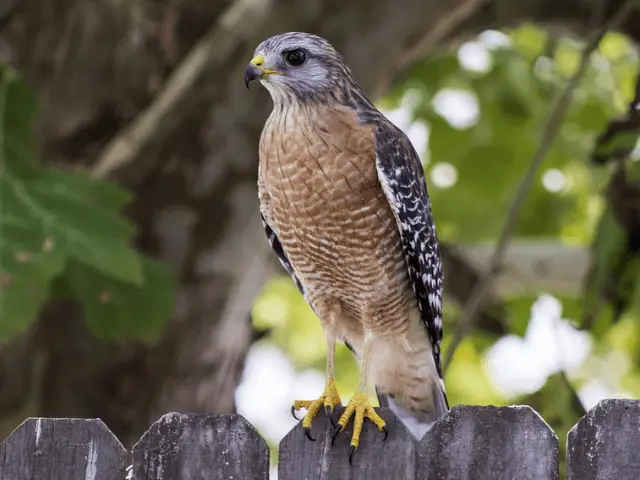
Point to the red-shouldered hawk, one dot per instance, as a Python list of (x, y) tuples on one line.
[(344, 203)]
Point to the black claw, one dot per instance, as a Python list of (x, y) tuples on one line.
[(307, 432), (293, 413), (335, 434), (386, 432), (352, 449), (328, 411)]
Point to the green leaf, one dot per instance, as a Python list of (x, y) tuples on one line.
[(615, 46), (635, 301), (17, 109), (567, 57), (519, 313), (529, 39), (115, 309), (628, 281), (633, 171), (88, 233), (81, 188), (82, 213), (50, 219), (623, 142), (96, 234), (29, 259), (468, 378), (609, 245)]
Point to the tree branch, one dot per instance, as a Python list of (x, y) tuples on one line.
[(492, 317), (448, 23), (531, 266), (470, 309), (212, 49)]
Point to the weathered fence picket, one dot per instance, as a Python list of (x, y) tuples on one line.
[(482, 442), (201, 447), (320, 460), (470, 442), (605, 444), (62, 449)]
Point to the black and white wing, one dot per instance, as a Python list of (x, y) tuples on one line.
[(402, 178)]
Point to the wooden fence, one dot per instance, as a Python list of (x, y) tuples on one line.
[(492, 443)]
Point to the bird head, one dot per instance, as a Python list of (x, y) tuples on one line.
[(298, 66)]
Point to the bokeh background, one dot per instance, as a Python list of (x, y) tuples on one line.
[(135, 278)]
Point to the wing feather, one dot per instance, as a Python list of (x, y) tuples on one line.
[(402, 178)]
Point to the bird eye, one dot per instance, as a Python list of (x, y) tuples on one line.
[(295, 58)]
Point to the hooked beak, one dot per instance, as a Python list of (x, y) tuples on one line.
[(256, 69)]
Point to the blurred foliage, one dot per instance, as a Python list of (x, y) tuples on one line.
[(62, 236), (502, 85), (614, 278)]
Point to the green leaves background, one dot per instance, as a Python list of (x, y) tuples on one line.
[(65, 229)]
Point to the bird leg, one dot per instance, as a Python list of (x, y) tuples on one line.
[(360, 405), (329, 398)]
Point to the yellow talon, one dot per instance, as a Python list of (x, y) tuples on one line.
[(329, 399), (360, 405)]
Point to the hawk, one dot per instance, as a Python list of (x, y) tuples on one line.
[(344, 204)]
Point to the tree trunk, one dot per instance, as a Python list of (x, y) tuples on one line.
[(101, 66)]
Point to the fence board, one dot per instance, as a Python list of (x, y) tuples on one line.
[(62, 449), (605, 443), (393, 459), (472, 442), (201, 447)]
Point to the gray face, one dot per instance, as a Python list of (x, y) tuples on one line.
[(299, 65)]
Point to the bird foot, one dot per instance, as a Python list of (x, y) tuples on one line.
[(361, 407), (329, 399)]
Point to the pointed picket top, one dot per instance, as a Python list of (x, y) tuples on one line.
[(605, 443), (201, 447), (392, 459), (473, 442), (62, 448)]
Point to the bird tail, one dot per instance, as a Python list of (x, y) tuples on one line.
[(418, 423)]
